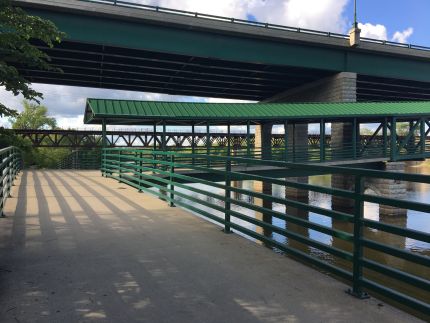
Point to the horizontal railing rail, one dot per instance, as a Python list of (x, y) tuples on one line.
[(82, 159), (10, 165), (170, 176), (129, 4)]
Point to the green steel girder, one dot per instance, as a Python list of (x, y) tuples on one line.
[(232, 48)]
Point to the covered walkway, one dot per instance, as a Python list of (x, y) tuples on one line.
[(79, 247)]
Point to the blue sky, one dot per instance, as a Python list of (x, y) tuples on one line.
[(382, 19), (396, 15)]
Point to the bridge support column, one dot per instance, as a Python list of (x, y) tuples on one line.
[(297, 150), (345, 182), (263, 140), (392, 189), (341, 87)]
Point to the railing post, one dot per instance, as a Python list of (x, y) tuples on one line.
[(140, 171), (286, 140), (227, 208), (171, 180), (248, 139), (294, 143), (1, 186), (422, 136), (119, 166), (208, 144), (357, 269), (355, 134), (228, 140), (9, 163), (104, 144), (393, 140), (385, 137), (193, 149), (322, 140)]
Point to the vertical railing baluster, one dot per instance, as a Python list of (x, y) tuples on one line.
[(140, 171), (393, 140), (422, 136), (171, 181), (1, 185), (9, 163), (357, 268), (322, 140), (385, 137), (227, 208), (119, 165)]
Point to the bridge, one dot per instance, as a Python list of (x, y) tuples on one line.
[(121, 246), (126, 46), (62, 138), (100, 250)]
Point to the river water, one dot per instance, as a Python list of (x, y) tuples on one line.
[(413, 220)]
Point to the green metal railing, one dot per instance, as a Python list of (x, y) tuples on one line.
[(82, 159), (10, 165), (165, 175)]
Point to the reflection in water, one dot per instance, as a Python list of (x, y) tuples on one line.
[(414, 220)]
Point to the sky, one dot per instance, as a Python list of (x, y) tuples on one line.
[(394, 20)]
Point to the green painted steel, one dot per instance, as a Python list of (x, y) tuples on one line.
[(117, 111), (165, 174), (10, 165), (82, 159), (88, 27)]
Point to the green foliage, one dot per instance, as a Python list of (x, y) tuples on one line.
[(34, 116), (366, 131), (17, 32), (49, 157), (403, 129)]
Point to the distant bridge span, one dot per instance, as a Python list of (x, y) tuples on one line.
[(140, 139)]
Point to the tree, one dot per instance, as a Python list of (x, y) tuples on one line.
[(34, 116), (18, 32)]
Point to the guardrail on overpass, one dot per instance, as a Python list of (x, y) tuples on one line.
[(140, 6)]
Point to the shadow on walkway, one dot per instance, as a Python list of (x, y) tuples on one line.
[(79, 247)]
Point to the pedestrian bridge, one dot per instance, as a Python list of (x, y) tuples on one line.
[(79, 247), (85, 245)]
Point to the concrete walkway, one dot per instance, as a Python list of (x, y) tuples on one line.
[(76, 247)]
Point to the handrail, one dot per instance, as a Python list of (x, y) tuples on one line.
[(10, 165), (81, 159), (128, 4), (170, 171)]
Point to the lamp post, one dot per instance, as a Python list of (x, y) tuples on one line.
[(354, 34)]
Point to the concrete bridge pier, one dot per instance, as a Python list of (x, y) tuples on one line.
[(382, 187), (297, 137), (341, 87), (392, 189), (263, 140)]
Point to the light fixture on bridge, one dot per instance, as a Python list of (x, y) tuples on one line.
[(354, 33)]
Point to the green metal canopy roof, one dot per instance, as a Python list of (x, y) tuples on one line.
[(148, 112)]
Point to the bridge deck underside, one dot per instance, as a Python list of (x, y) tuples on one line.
[(79, 247), (100, 66)]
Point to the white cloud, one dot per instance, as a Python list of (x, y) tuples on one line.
[(377, 31), (327, 15), (67, 103), (403, 36), (380, 32)]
